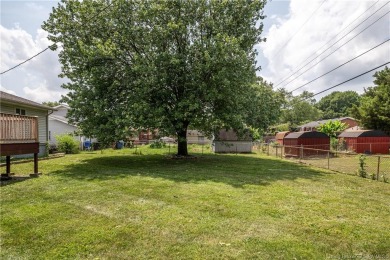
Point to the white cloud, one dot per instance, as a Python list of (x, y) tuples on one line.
[(288, 46), (38, 78), (7, 90), (41, 93), (16, 46), (34, 6)]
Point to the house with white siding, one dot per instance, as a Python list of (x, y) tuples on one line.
[(59, 125), (14, 105)]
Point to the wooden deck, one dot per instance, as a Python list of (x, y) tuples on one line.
[(18, 129), (18, 135)]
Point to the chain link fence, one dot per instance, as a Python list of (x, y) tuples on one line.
[(376, 167), (202, 146)]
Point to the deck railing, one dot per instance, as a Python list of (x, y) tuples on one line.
[(18, 128)]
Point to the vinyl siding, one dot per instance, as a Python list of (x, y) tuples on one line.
[(196, 137), (61, 111), (232, 146), (59, 128)]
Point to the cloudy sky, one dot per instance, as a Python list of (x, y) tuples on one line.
[(300, 33)]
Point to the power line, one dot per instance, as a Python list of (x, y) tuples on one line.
[(14, 67), (332, 38), (48, 47), (332, 46), (348, 80), (340, 65), (333, 51), (292, 74), (342, 30), (285, 44)]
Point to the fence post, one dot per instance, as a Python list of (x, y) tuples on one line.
[(267, 149), (301, 152), (281, 152), (276, 151), (377, 169), (328, 159), (8, 164)]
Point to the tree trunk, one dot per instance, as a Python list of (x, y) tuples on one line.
[(182, 143)]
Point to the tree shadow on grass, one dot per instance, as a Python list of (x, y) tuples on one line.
[(14, 179), (235, 170)]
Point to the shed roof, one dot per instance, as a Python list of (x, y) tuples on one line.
[(311, 134), (363, 133), (319, 122), (12, 99)]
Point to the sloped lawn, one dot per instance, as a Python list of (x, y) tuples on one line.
[(119, 205)]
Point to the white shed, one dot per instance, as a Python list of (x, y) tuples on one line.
[(197, 137), (227, 141)]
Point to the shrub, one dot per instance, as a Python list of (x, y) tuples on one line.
[(67, 144), (264, 148), (129, 144), (47, 150), (362, 166), (157, 145), (52, 148), (138, 152), (334, 143)]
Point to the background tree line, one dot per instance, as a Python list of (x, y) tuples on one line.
[(371, 109)]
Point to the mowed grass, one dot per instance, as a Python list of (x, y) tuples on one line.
[(351, 164), (118, 205)]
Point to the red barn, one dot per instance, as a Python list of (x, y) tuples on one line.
[(366, 141), (280, 136), (313, 143)]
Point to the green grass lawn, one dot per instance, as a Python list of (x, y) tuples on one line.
[(350, 164), (119, 205)]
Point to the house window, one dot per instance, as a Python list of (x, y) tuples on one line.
[(20, 112)]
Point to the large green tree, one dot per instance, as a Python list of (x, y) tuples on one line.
[(374, 109), (160, 64), (338, 104), (298, 109)]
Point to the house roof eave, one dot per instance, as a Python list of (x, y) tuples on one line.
[(10, 99)]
